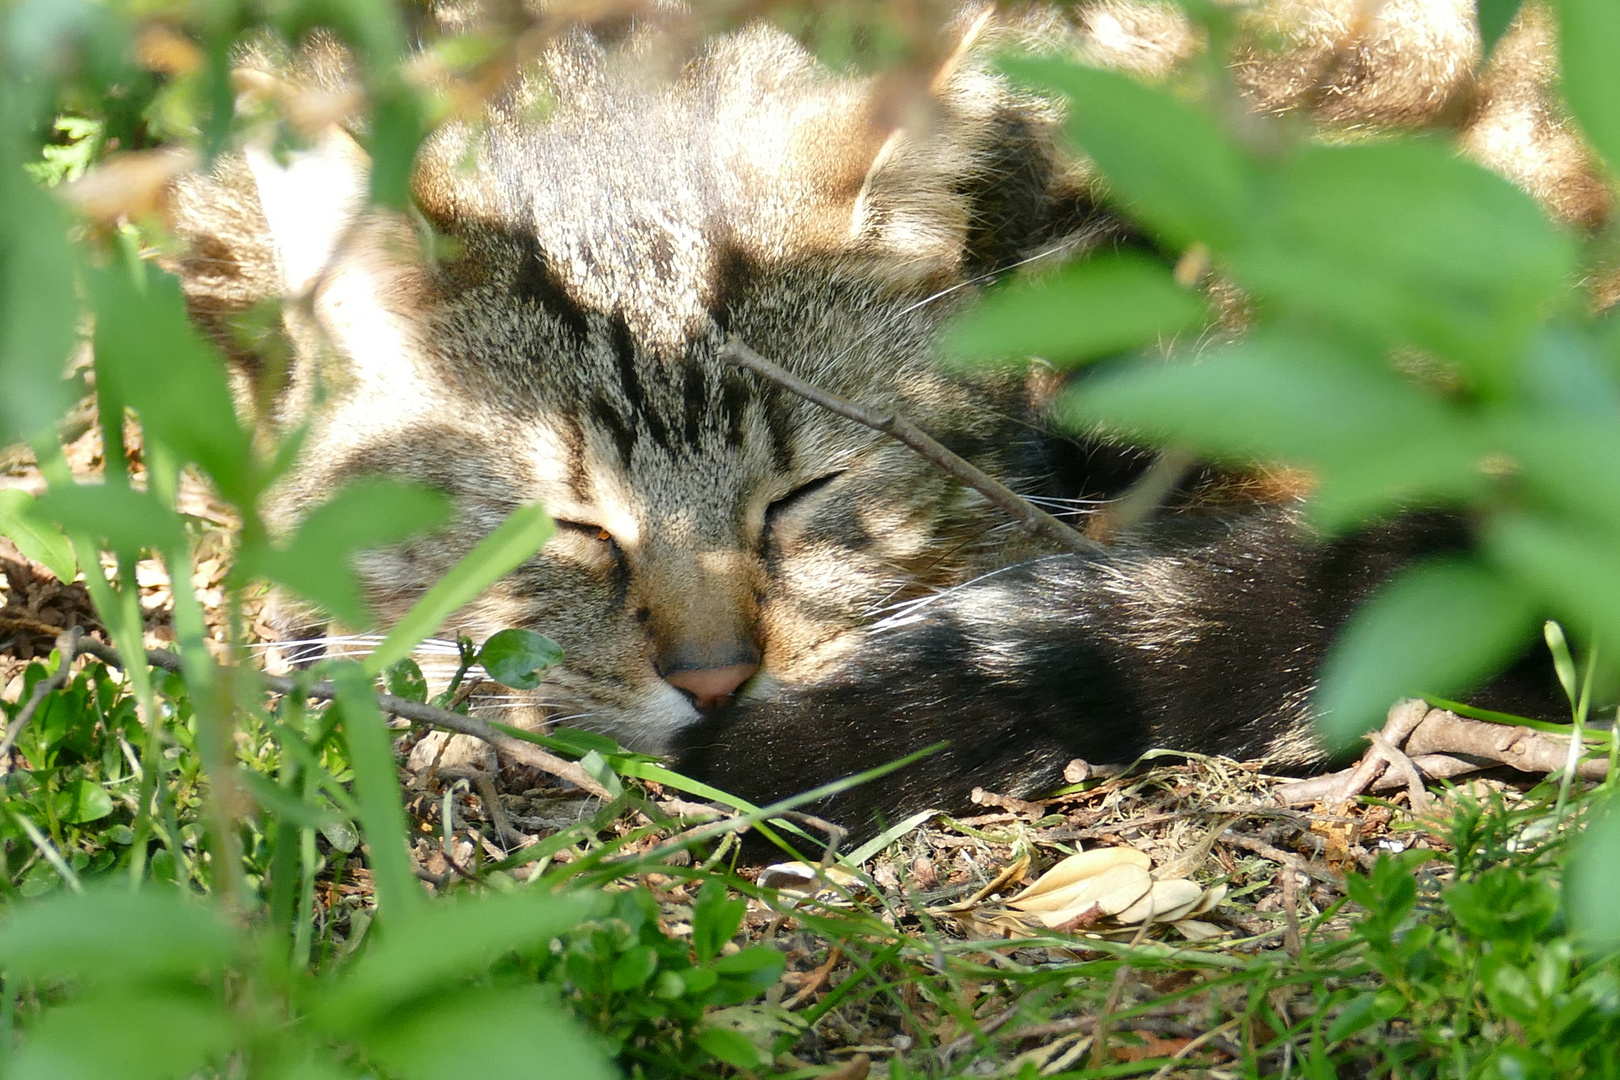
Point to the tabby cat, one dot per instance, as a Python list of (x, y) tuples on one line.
[(770, 594)]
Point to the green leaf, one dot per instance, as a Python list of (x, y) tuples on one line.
[(148, 351), (318, 561), (1494, 19), (1168, 162), (1576, 569), (1088, 309), (376, 789), (512, 544), (405, 680), (129, 520), (1589, 55), (39, 309), (1569, 462), (83, 800), (468, 934), (287, 807), (1376, 440), (114, 933), (1438, 628), (1365, 1010), (35, 538), (153, 1034), (397, 128), (505, 1032), (729, 1046), (513, 657), (715, 920), (1593, 881), (1409, 243), (633, 968), (1563, 662)]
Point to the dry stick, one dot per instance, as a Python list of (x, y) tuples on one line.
[(1020, 509), (68, 644), (1403, 716), (525, 753), (1402, 766), (1442, 745)]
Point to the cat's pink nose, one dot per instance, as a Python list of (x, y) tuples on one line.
[(711, 687)]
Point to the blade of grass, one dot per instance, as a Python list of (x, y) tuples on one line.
[(376, 786), (512, 543)]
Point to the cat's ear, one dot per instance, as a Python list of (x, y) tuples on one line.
[(298, 228)]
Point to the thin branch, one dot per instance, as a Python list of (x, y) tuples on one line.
[(1020, 509), (525, 753), (1445, 745), (68, 644)]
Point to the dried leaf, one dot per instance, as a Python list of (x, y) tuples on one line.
[(1195, 930), (1166, 901), (128, 185), (1109, 893), (1078, 868)]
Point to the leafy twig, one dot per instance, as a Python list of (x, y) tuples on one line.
[(523, 752), (1020, 509)]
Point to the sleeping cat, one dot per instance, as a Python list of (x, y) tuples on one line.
[(771, 594)]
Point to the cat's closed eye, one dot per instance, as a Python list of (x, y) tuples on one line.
[(800, 498)]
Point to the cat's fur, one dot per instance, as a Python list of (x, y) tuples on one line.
[(565, 350)]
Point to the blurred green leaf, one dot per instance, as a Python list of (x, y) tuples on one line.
[(39, 309), (148, 351), (376, 790), (1576, 569), (275, 799), (1437, 628), (715, 920), (468, 934), (515, 657), (1568, 461), (1088, 309), (115, 934), (83, 800), (37, 539), (1377, 440), (730, 1047), (1168, 162), (633, 968), (160, 1033), (365, 514), (1589, 55), (512, 544), (1592, 882), (397, 129), (1409, 243), (500, 1032), (405, 680), (130, 520)]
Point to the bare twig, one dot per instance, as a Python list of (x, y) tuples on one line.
[(1290, 908), (1020, 509), (1444, 745), (1403, 767), (1404, 715), (69, 646), (1527, 750), (525, 753)]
